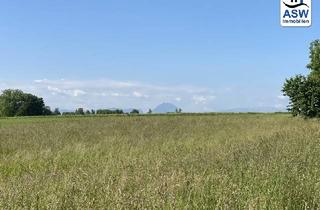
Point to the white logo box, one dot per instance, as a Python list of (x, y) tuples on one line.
[(295, 13)]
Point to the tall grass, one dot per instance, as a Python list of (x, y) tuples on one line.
[(162, 162)]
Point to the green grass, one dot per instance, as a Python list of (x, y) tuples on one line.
[(226, 161)]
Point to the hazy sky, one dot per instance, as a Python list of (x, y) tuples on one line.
[(200, 55)]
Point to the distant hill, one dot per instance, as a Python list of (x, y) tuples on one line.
[(255, 109), (165, 108)]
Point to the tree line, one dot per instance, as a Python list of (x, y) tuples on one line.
[(81, 111), (15, 103)]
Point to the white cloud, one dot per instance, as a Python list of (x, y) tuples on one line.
[(202, 99), (106, 93), (77, 93), (39, 80), (199, 99), (115, 94), (72, 92), (139, 95), (178, 99), (282, 97)]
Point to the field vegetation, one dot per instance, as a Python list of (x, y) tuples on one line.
[(227, 161)]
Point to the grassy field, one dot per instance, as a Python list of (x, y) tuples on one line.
[(226, 161)]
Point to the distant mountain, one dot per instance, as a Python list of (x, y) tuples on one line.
[(255, 109), (165, 108)]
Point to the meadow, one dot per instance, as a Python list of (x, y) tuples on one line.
[(219, 161)]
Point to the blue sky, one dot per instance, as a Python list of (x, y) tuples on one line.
[(200, 55)]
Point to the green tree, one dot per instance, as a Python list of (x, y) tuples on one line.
[(18, 103), (47, 110), (109, 111), (314, 56), (56, 111), (304, 91), (79, 111), (135, 111), (68, 113)]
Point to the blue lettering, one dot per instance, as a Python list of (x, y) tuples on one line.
[(287, 13), (294, 13), (303, 13)]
